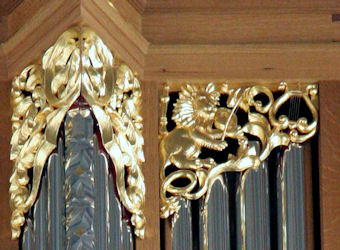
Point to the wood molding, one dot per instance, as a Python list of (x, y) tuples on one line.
[(310, 62), (21, 14), (128, 11), (27, 8), (150, 167), (220, 28), (39, 32), (121, 37), (329, 164), (139, 5), (30, 42), (245, 6)]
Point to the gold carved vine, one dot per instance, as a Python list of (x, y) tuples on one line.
[(78, 64), (202, 122)]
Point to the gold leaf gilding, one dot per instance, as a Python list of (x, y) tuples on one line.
[(201, 122), (78, 64)]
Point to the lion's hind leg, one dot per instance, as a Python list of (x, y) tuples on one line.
[(182, 162)]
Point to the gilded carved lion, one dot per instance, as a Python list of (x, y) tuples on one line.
[(194, 114)]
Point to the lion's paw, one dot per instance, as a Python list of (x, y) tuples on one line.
[(222, 145), (208, 162)]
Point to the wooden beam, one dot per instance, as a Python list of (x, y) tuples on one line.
[(127, 11), (139, 5), (31, 41), (245, 6), (151, 167), (308, 62), (22, 14), (14, 20), (121, 37), (219, 28)]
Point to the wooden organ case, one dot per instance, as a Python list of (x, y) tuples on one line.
[(228, 74)]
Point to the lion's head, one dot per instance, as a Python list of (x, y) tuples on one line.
[(196, 105)]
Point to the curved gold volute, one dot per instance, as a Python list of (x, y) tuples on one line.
[(79, 63), (300, 130)]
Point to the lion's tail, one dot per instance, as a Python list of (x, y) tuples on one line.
[(164, 107)]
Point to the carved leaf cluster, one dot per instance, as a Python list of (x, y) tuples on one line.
[(78, 64)]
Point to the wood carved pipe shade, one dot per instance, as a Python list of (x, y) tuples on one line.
[(77, 149), (233, 165)]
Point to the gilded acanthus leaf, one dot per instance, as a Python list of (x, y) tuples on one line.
[(28, 124), (78, 64)]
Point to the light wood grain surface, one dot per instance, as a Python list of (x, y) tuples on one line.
[(139, 5), (219, 28), (150, 168), (244, 6), (38, 34), (5, 168), (249, 61), (122, 37), (329, 157), (21, 14)]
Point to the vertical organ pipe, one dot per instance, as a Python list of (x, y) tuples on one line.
[(56, 174)]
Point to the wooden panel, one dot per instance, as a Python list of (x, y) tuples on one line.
[(151, 167), (6, 6), (120, 36), (229, 62), (26, 10), (6, 167), (203, 28), (329, 153), (27, 45), (139, 5), (244, 6), (3, 28), (3, 65), (21, 14), (40, 32), (128, 12)]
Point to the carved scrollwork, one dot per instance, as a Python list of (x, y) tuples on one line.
[(203, 121), (78, 64), (299, 130), (30, 114)]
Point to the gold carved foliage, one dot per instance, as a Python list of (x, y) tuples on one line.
[(78, 64), (202, 121)]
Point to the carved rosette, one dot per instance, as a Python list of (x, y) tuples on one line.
[(78, 64), (203, 121)]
